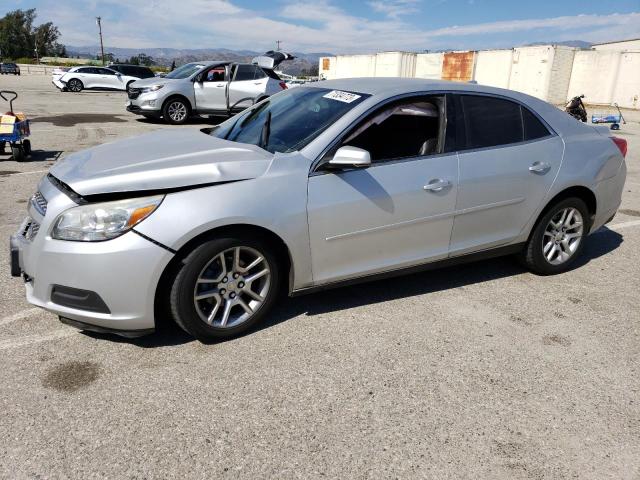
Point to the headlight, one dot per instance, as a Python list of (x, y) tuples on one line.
[(153, 88), (103, 221)]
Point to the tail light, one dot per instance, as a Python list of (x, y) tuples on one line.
[(621, 143), (283, 86)]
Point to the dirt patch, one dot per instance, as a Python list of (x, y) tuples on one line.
[(21, 201), (631, 213), (71, 376), (556, 340), (72, 119), (574, 300), (520, 320), (6, 173)]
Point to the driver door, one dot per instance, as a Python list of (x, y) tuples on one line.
[(211, 90), (391, 214)]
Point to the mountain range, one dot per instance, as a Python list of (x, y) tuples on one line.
[(303, 63)]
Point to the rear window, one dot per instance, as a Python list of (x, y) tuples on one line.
[(490, 122), (245, 72), (533, 128)]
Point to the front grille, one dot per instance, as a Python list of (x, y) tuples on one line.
[(30, 229), (134, 93), (39, 203)]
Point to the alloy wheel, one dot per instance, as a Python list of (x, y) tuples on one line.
[(75, 86), (562, 236), (177, 111), (232, 287)]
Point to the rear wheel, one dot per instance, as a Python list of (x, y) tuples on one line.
[(75, 85), (224, 287), (26, 145), (558, 237), (176, 111)]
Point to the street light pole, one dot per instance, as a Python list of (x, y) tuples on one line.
[(99, 22)]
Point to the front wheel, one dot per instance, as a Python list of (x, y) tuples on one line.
[(558, 238), (224, 287), (74, 85), (17, 152), (176, 111), (26, 145)]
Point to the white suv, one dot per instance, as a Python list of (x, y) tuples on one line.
[(207, 88)]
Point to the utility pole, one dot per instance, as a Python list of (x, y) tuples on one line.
[(99, 22), (278, 42), (36, 50)]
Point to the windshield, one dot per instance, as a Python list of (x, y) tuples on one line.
[(289, 120), (185, 71)]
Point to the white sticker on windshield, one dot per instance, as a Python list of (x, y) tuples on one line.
[(341, 96)]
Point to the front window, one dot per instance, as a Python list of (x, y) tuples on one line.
[(289, 120), (185, 71)]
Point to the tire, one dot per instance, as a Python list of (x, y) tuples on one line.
[(227, 310), (176, 111), (26, 145), (2, 146), (17, 152), (129, 85), (74, 85), (550, 249)]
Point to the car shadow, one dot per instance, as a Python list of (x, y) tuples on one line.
[(371, 293), (207, 121)]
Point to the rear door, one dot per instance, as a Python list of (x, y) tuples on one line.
[(248, 82), (89, 77), (396, 213), (508, 161)]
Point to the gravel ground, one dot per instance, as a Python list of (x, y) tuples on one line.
[(478, 371)]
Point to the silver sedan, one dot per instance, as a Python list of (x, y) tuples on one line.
[(326, 184)]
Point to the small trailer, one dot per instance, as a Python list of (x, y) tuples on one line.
[(611, 118), (14, 129)]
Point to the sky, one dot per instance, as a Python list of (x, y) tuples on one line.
[(335, 26)]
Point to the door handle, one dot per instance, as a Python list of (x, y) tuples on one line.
[(437, 185), (540, 167)]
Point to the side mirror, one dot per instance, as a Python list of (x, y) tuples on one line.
[(350, 157)]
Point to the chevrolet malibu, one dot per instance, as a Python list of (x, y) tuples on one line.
[(326, 184)]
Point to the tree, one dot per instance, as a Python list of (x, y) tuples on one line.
[(19, 37)]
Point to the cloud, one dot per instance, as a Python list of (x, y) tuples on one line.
[(395, 8), (306, 25)]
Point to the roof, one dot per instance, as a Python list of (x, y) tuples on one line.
[(385, 86), (617, 41)]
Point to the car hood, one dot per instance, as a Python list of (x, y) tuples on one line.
[(162, 160)]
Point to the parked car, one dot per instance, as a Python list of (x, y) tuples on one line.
[(210, 88), (135, 71), (77, 79), (9, 69), (319, 186)]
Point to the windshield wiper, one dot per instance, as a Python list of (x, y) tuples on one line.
[(266, 131)]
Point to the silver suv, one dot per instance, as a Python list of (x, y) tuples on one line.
[(207, 87)]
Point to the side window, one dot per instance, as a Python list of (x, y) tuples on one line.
[(105, 71), (259, 74), (409, 128), (244, 72), (490, 122), (533, 128), (88, 70), (215, 74)]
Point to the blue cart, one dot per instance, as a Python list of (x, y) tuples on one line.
[(14, 129), (611, 118)]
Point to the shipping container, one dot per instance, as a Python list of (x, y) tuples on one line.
[(542, 71), (429, 65), (493, 67), (458, 66), (395, 64), (626, 92), (594, 76)]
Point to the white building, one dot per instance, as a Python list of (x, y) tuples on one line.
[(623, 45)]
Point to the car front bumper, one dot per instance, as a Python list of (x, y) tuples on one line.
[(109, 285)]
